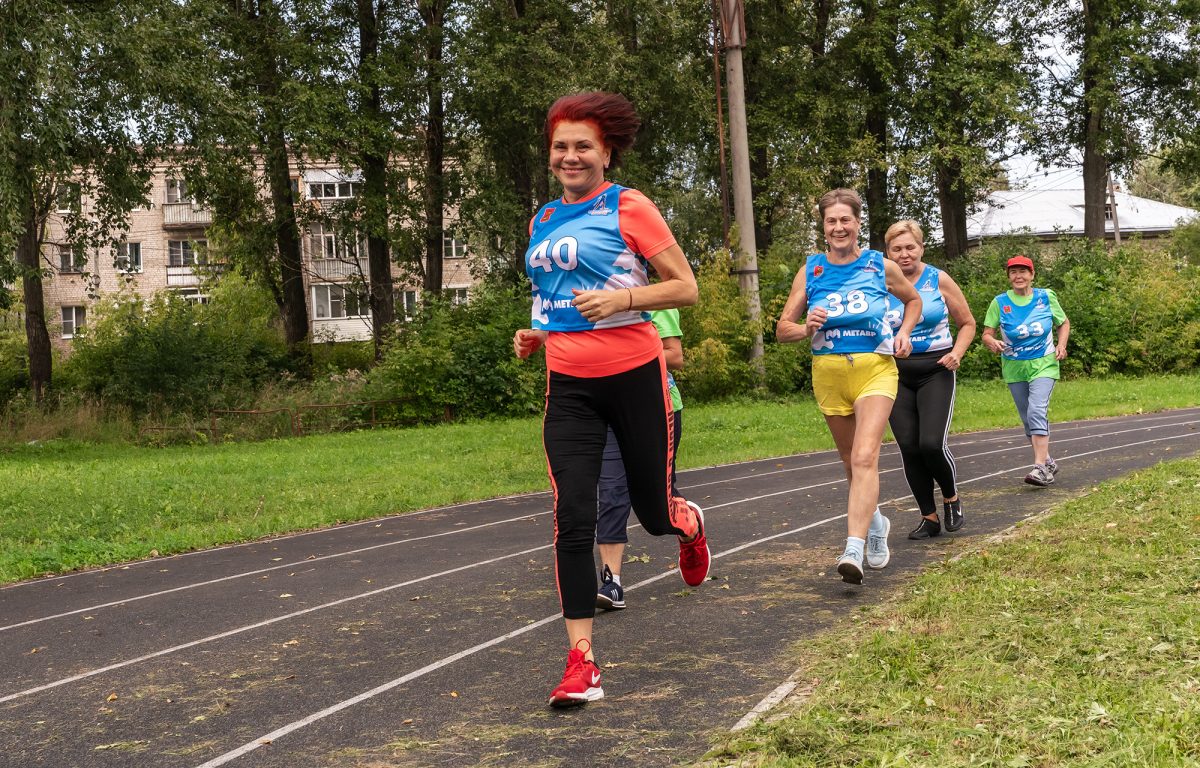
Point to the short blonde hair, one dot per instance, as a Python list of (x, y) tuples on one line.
[(844, 196), (904, 227)]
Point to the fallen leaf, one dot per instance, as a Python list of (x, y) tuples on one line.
[(454, 694), (407, 722), (111, 697), (1110, 525), (285, 594)]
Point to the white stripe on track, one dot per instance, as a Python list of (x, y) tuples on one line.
[(271, 737), (292, 564)]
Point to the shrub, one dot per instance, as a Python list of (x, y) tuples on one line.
[(14, 363)]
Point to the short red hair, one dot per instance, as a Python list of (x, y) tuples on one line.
[(614, 117)]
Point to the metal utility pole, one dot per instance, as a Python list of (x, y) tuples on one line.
[(733, 27)]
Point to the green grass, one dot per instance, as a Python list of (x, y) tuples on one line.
[(1075, 642), (70, 505)]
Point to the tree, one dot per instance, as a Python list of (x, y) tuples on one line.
[(81, 108)]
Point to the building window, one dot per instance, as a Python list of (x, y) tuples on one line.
[(330, 245), (334, 302), (457, 295), (192, 295), (74, 320), (453, 247), (66, 199), (177, 191), (182, 253), (408, 304), (332, 190), (70, 259), (129, 257)]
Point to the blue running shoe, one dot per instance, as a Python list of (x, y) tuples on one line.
[(610, 597)]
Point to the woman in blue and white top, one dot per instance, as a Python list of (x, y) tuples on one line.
[(1026, 318), (844, 292), (925, 396)]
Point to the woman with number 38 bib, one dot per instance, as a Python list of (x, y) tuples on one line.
[(587, 259), (844, 292)]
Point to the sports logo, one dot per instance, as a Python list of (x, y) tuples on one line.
[(600, 207), (546, 214), (1007, 308), (818, 270)]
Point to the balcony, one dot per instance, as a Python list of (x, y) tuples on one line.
[(335, 269), (185, 215), (192, 276)]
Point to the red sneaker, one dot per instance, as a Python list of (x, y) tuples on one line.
[(693, 555), (580, 683)]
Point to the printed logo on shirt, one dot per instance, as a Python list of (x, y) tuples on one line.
[(870, 268), (928, 286), (1007, 309), (546, 214), (818, 270), (600, 207)]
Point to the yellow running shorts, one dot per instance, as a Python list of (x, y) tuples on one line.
[(840, 380)]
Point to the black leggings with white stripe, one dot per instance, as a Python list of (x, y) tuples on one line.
[(920, 421)]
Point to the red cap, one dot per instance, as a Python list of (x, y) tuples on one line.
[(1019, 261)]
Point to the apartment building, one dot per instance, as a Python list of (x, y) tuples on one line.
[(165, 248)]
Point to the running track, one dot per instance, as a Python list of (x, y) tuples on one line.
[(432, 638)]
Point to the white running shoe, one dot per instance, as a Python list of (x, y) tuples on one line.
[(849, 567), (878, 554)]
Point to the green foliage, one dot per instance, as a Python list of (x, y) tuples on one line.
[(169, 353), (458, 360), (14, 363), (717, 335)]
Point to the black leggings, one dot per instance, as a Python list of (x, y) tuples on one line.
[(579, 411), (920, 421)]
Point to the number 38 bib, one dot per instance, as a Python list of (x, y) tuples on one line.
[(1026, 330), (855, 296)]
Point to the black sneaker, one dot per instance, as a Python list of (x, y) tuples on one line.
[(952, 513), (610, 597), (926, 529)]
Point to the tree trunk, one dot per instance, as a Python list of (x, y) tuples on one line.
[(952, 203), (877, 99), (283, 207), (433, 12), (36, 336), (1095, 167), (948, 173), (374, 202)]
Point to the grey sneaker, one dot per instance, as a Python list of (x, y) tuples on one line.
[(878, 554), (1040, 476), (1052, 465), (849, 567)]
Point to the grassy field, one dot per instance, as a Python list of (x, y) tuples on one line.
[(1074, 642), (70, 505)]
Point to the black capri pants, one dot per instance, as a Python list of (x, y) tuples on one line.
[(920, 421), (579, 411)]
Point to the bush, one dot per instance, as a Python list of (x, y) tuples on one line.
[(166, 353), (14, 363), (459, 360)]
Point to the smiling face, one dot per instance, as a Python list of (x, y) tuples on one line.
[(578, 158), (1021, 280), (841, 228), (907, 253)]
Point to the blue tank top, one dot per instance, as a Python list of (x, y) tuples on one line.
[(932, 331), (855, 296), (579, 246), (1026, 330)]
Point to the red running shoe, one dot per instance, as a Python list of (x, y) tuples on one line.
[(580, 683), (693, 555)]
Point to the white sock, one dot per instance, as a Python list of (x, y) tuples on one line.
[(877, 522), (856, 546), (617, 579)]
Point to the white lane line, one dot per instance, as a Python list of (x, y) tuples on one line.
[(292, 564), (268, 540), (271, 737), (340, 601)]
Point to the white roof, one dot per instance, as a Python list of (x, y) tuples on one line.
[(1051, 212)]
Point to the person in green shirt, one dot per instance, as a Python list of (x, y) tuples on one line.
[(1026, 318), (612, 516)]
